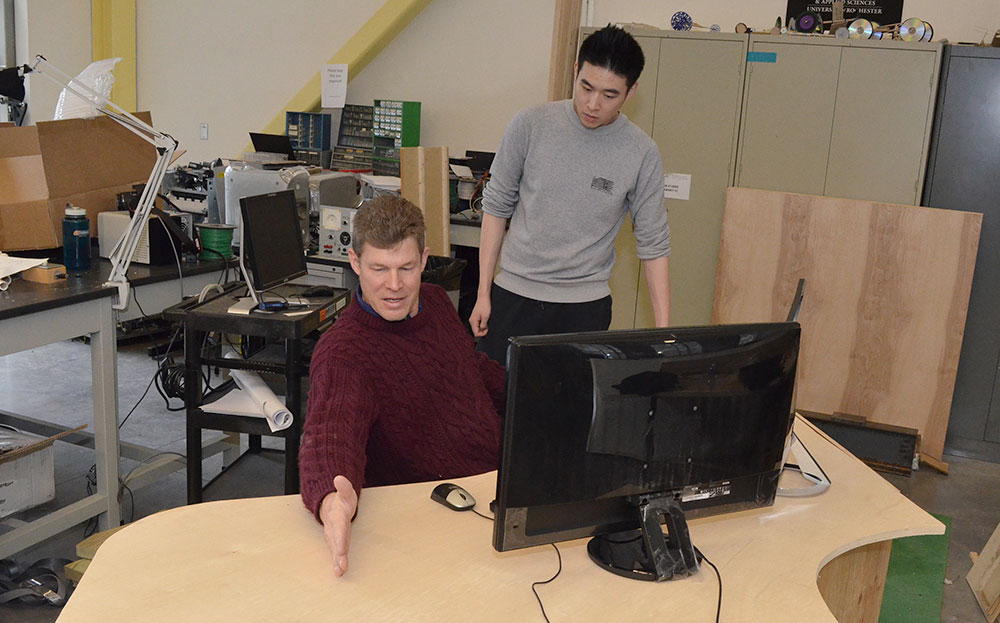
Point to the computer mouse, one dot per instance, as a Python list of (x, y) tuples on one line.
[(318, 291), (454, 497)]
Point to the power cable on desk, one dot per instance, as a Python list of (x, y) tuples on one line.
[(534, 584), (540, 582), (718, 606)]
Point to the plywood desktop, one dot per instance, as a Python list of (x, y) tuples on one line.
[(265, 559)]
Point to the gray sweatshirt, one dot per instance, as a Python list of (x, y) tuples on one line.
[(566, 189)]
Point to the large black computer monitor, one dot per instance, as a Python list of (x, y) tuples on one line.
[(271, 251), (610, 434)]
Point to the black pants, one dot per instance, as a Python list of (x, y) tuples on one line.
[(513, 315)]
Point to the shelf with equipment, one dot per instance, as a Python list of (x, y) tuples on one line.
[(308, 131), (395, 124), (314, 157), (353, 151)]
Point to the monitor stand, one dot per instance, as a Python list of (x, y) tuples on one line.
[(243, 306), (627, 553)]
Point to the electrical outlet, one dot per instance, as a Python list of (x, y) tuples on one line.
[(203, 130)]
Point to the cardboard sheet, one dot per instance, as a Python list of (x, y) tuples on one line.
[(82, 161)]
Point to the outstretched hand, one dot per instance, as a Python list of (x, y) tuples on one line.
[(336, 512)]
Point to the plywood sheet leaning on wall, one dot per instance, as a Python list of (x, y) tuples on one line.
[(424, 173), (984, 578), (887, 291)]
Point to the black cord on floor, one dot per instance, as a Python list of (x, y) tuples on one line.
[(534, 584)]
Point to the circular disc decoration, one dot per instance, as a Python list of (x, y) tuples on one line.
[(715, 28), (842, 33), (860, 29), (928, 32), (808, 21), (681, 21), (912, 29), (742, 28)]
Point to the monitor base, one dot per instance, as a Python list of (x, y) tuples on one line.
[(626, 553)]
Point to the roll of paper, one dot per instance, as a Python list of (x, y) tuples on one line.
[(271, 407)]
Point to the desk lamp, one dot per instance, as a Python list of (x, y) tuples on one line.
[(121, 255)]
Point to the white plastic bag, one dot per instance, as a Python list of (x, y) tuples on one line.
[(98, 77)]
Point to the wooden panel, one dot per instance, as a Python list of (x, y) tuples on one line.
[(984, 577), (565, 29), (880, 157), (787, 116), (887, 291), (852, 584), (424, 174)]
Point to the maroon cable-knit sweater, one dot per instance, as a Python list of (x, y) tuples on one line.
[(398, 402)]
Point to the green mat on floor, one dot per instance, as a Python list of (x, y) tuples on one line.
[(914, 584)]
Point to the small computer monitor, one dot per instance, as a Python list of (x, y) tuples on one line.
[(273, 143), (614, 434), (271, 249)]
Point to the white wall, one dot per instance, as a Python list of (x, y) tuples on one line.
[(472, 63), (955, 20), (60, 31), (232, 64)]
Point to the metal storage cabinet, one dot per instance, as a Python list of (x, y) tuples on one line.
[(624, 281), (963, 173), (839, 118), (696, 124), (785, 139), (689, 103)]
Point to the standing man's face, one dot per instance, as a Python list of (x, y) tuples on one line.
[(598, 95)]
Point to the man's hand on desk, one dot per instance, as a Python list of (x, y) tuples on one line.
[(336, 512)]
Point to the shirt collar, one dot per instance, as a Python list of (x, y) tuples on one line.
[(371, 310)]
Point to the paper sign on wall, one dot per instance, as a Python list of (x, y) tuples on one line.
[(677, 186), (334, 86)]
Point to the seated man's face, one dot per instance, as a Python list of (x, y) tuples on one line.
[(390, 278)]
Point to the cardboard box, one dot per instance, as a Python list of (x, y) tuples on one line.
[(27, 477), (43, 167)]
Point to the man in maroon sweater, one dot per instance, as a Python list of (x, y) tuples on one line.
[(397, 392)]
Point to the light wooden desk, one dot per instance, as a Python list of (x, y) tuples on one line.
[(265, 559)]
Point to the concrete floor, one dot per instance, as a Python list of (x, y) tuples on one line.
[(53, 383)]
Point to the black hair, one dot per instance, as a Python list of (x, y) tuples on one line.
[(615, 50)]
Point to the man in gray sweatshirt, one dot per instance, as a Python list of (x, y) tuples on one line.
[(565, 175)]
